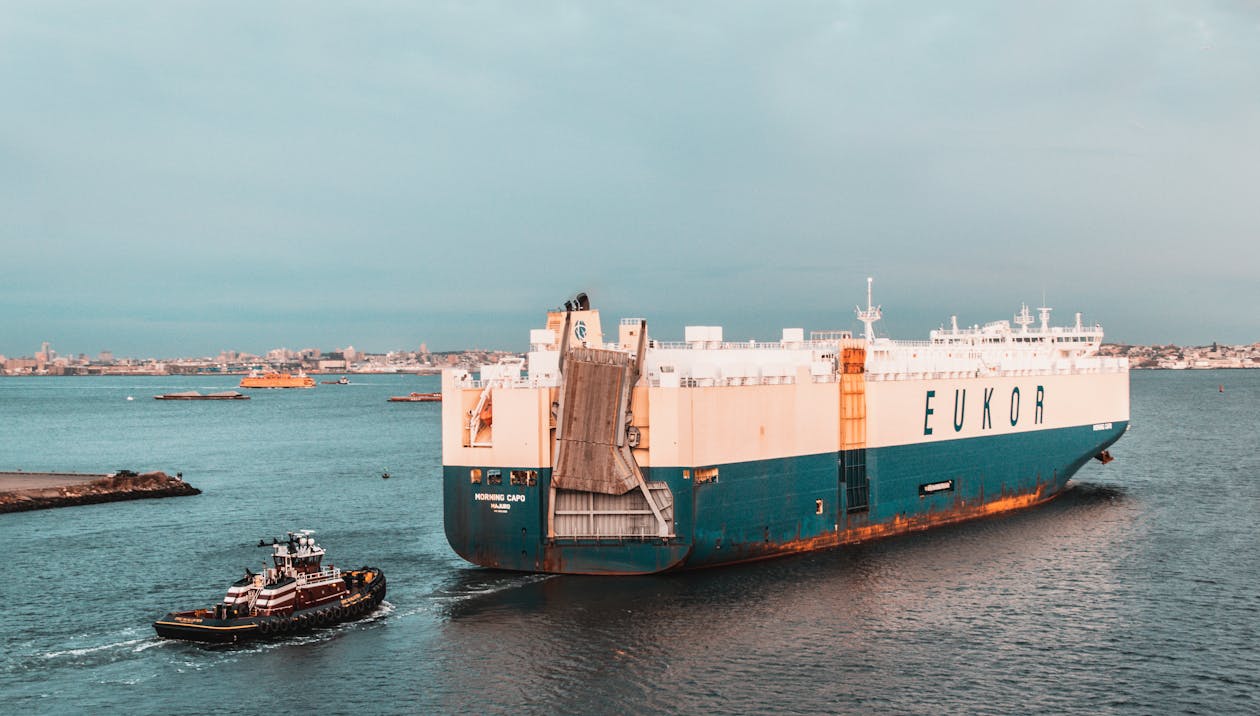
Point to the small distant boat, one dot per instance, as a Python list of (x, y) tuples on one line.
[(417, 398), (277, 380), (293, 596), (343, 381), (194, 395)]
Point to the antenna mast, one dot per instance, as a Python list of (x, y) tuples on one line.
[(1024, 319), (871, 314)]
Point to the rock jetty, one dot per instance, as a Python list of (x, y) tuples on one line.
[(22, 491)]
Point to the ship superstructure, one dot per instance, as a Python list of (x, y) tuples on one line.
[(638, 455)]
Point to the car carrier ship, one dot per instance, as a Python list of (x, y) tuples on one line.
[(639, 456)]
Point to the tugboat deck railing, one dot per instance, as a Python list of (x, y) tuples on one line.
[(326, 574)]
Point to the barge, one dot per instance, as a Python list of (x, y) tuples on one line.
[(194, 395), (416, 398), (277, 380)]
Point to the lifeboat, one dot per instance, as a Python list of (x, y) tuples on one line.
[(277, 380), (294, 596)]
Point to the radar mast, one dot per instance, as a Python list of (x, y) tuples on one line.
[(1023, 319), (871, 314)]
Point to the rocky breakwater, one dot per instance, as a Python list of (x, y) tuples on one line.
[(21, 491)]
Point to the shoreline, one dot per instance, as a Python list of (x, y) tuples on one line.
[(155, 374), (25, 491)]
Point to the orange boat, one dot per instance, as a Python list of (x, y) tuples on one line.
[(277, 380), (417, 398)]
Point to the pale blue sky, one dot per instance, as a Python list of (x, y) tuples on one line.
[(181, 178)]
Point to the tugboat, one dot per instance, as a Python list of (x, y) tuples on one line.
[(294, 596)]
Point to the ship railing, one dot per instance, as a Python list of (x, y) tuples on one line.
[(326, 574), (893, 373), (630, 535), (547, 382), (734, 381), (745, 345), (932, 372)]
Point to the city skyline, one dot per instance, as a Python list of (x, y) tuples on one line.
[(513, 341), (172, 185), (48, 353)]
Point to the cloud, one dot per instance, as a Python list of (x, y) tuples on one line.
[(475, 163)]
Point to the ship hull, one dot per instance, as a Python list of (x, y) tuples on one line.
[(768, 508)]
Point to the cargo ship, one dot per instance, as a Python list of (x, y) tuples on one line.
[(277, 380), (638, 456)]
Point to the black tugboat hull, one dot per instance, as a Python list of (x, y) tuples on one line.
[(362, 600), (214, 631)]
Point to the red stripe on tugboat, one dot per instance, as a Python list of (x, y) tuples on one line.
[(295, 595)]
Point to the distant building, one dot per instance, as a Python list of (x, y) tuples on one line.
[(21, 366)]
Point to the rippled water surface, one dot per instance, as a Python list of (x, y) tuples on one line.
[(1137, 592)]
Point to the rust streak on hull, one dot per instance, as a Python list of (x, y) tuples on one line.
[(892, 528)]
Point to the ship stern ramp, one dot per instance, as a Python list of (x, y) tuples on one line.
[(546, 480)]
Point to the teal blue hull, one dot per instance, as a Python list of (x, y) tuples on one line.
[(761, 509)]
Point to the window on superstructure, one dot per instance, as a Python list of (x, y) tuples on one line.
[(528, 478)]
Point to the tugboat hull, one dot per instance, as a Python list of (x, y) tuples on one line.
[(366, 594)]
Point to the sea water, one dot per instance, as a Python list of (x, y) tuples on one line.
[(1136, 592)]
